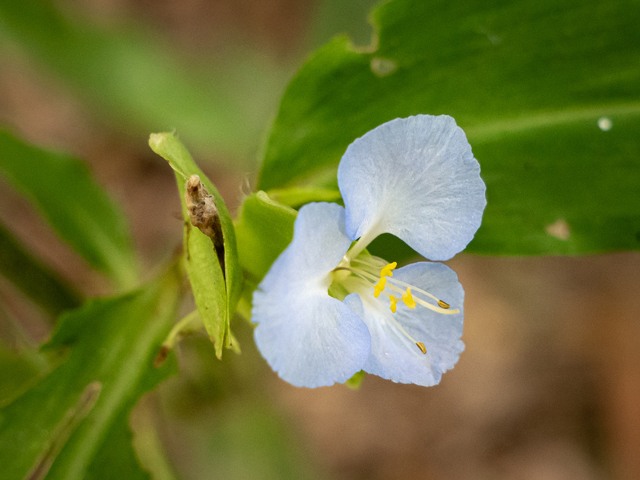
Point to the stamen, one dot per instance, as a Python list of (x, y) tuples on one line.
[(387, 270), (361, 244), (399, 327), (362, 278), (394, 301), (379, 287), (433, 308), (372, 262), (391, 318), (408, 299), (343, 268), (442, 304), (368, 269), (420, 345), (365, 272), (404, 284)]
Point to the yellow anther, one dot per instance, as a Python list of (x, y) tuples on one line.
[(379, 287), (394, 300), (408, 300), (422, 348), (444, 305), (386, 270)]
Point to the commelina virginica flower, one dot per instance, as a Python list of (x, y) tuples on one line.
[(328, 309)]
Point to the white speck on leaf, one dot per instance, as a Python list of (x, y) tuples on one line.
[(493, 38), (382, 67), (605, 124), (559, 229)]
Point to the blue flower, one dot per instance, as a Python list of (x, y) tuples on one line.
[(328, 309)]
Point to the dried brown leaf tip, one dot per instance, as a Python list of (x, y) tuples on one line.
[(162, 356), (204, 215)]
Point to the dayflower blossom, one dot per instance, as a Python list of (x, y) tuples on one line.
[(328, 309)]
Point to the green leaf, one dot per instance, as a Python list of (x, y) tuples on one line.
[(527, 80), (264, 229), (17, 370), (21, 363), (208, 285), (68, 197), (296, 197), (116, 459), (216, 294), (34, 279), (337, 16), (141, 84), (73, 420), (585, 204)]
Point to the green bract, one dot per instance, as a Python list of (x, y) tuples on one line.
[(216, 292)]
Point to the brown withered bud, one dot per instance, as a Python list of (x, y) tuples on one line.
[(204, 215)]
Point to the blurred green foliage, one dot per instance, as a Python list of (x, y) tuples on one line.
[(69, 418), (232, 427), (140, 83), (72, 202), (18, 369), (252, 443), (39, 283), (337, 16)]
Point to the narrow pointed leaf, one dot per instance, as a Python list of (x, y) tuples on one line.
[(33, 278), (79, 210)]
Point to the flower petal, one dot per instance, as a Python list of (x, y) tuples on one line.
[(393, 355), (319, 243), (417, 179), (306, 336)]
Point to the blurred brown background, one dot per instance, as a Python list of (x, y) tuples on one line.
[(549, 384)]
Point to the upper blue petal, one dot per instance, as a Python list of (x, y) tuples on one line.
[(417, 179), (393, 355), (308, 337)]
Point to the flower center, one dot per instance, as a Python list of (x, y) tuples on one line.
[(375, 273)]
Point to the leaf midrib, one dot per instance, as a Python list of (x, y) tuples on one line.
[(485, 132)]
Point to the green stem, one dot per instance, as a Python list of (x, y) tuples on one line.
[(190, 323), (362, 243)]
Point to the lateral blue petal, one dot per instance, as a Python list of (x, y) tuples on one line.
[(309, 338), (393, 355), (416, 178)]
